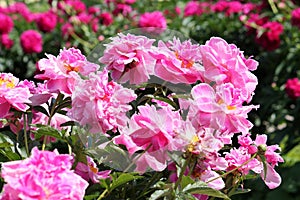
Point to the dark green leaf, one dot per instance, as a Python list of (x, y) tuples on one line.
[(44, 130), (159, 194), (200, 187), (122, 179)]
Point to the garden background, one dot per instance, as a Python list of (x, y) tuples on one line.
[(268, 30)]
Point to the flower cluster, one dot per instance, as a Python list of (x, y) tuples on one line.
[(149, 121)]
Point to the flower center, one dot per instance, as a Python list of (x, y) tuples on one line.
[(69, 68), (93, 169), (184, 62), (193, 143), (7, 83)]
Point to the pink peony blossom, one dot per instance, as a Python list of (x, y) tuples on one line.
[(296, 17), (178, 62), (6, 41), (220, 109), (12, 95), (128, 58), (225, 63), (44, 175), (31, 41), (47, 21), (90, 171), (156, 132), (153, 21), (292, 88), (6, 24), (121, 8), (100, 104), (106, 18), (61, 71), (270, 39)]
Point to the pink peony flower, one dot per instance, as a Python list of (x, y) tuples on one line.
[(44, 175), (225, 63), (46, 21), (31, 41), (270, 39), (61, 71), (178, 62), (156, 132), (153, 21), (292, 88), (6, 41), (6, 24), (90, 171), (220, 109), (192, 8), (106, 18), (100, 104), (12, 95), (123, 9), (296, 17), (128, 58)]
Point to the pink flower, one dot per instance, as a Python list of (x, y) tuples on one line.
[(61, 71), (128, 58), (296, 17), (220, 109), (192, 8), (6, 41), (225, 63), (76, 5), (44, 175), (156, 132), (153, 21), (46, 21), (99, 104), (12, 95), (6, 24), (123, 9), (31, 41), (270, 39), (178, 62), (106, 18), (90, 171), (292, 88)]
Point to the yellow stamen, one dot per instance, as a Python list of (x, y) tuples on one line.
[(184, 63)]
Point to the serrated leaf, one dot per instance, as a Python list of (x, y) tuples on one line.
[(200, 187)]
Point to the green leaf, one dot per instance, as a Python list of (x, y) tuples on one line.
[(44, 130), (41, 109), (200, 187), (122, 179), (159, 194), (186, 180), (5, 144), (292, 157), (10, 155)]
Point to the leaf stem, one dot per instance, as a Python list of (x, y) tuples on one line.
[(25, 133)]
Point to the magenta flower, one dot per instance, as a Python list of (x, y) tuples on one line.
[(156, 132), (61, 71), (6, 24), (44, 175), (6, 41), (220, 109), (31, 41), (99, 104), (153, 21), (225, 63), (178, 62), (90, 171), (128, 58), (292, 88), (12, 95), (270, 39), (46, 21), (296, 17), (106, 18)]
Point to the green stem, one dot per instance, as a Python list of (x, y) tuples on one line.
[(51, 114), (225, 174), (273, 7), (186, 162), (103, 194), (25, 134)]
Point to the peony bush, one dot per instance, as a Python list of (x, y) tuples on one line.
[(61, 90)]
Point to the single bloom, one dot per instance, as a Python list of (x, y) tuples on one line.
[(44, 175), (100, 104), (153, 21), (61, 72), (6, 24), (127, 58), (292, 88), (178, 62), (47, 21), (31, 41)]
